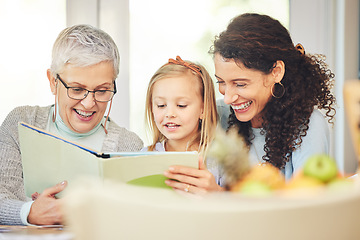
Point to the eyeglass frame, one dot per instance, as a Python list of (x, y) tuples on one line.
[(88, 91)]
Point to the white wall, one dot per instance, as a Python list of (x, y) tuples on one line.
[(111, 16), (331, 27)]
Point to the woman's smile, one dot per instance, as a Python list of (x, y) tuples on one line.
[(243, 107), (84, 115)]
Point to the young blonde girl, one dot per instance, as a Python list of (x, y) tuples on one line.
[(164, 125), (176, 68)]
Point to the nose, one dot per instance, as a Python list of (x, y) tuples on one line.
[(230, 96), (89, 101), (170, 113)]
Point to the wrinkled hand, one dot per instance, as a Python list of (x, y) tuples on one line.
[(197, 181), (46, 209)]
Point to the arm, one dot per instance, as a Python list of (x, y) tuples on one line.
[(197, 181), (13, 201), (12, 195)]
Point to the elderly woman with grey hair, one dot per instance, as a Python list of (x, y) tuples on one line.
[(85, 64)]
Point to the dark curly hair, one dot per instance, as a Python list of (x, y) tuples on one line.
[(258, 42)]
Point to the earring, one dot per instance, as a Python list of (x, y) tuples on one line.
[(282, 91)]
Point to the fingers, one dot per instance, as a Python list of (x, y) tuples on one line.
[(191, 180), (185, 187), (202, 165), (35, 195), (180, 177), (186, 171), (46, 209), (183, 175), (52, 191)]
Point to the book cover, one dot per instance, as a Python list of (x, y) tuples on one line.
[(48, 159)]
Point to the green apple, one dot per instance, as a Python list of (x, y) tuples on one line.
[(321, 167), (255, 188)]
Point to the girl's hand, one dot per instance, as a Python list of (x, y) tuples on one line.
[(197, 181)]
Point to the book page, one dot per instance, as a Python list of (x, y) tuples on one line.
[(48, 159)]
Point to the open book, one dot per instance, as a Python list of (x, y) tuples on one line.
[(48, 159)]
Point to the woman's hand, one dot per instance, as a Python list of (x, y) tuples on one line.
[(197, 181), (46, 209)]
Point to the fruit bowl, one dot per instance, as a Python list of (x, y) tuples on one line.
[(119, 211)]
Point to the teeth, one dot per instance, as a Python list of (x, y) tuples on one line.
[(171, 125), (242, 106), (84, 114)]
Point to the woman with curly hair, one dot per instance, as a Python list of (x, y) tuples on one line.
[(275, 92)]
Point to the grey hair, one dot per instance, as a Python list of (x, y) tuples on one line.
[(83, 46)]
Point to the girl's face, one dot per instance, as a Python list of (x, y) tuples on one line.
[(246, 90), (81, 116), (177, 106)]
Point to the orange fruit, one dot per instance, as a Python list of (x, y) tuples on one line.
[(264, 173)]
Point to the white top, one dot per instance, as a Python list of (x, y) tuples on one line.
[(316, 141)]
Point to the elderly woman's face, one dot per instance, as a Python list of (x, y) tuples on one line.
[(246, 90), (81, 116)]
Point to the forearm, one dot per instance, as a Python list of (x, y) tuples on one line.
[(10, 211), (12, 195)]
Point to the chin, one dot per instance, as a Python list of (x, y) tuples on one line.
[(83, 129), (243, 118)]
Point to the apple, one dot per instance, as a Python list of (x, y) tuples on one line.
[(321, 167), (255, 188)]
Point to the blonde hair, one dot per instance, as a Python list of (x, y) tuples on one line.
[(209, 121)]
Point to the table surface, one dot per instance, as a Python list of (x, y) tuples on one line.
[(35, 232)]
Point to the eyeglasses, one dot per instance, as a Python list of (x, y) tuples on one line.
[(78, 93)]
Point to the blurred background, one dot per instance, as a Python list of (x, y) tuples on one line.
[(148, 33)]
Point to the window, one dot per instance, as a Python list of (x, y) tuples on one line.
[(159, 30), (162, 29), (29, 28)]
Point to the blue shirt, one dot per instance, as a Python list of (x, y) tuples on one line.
[(316, 141)]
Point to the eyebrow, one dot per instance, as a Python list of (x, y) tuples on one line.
[(234, 80), (83, 86), (218, 77), (177, 98)]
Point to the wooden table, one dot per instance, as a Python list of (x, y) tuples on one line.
[(35, 232)]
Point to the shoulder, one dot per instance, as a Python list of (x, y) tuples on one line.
[(121, 140), (34, 115), (159, 147), (318, 122), (316, 141)]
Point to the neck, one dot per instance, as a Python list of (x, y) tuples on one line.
[(180, 146), (257, 121)]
